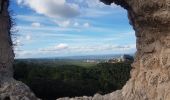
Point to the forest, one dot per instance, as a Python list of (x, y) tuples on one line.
[(54, 81)]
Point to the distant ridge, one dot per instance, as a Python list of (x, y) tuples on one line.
[(83, 57)]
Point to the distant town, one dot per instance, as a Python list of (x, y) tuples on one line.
[(88, 60), (122, 58)]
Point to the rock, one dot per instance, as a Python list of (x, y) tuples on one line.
[(10, 89), (15, 90)]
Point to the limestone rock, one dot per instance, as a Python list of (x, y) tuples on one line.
[(111, 96), (15, 90), (10, 89)]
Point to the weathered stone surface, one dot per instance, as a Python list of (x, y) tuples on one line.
[(111, 96), (15, 90), (10, 89), (150, 76)]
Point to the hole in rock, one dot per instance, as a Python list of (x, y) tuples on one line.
[(72, 48)]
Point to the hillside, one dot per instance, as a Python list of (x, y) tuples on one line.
[(54, 80)]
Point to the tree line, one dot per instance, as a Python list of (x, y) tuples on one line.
[(50, 83)]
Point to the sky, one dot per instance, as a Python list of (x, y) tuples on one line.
[(56, 28)]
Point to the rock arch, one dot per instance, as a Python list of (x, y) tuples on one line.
[(10, 89), (150, 76)]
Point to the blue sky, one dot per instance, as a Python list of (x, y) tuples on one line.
[(52, 28)]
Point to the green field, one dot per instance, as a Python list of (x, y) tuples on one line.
[(76, 63)]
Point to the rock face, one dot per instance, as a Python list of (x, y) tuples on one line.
[(10, 89), (150, 76)]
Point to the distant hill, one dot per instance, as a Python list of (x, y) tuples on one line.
[(83, 57)]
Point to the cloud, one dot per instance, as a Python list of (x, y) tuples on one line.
[(55, 49), (52, 8), (61, 46), (95, 3), (17, 42), (19, 1), (90, 3), (22, 40), (86, 25), (28, 37), (71, 24), (65, 23), (47, 28), (94, 13), (63, 49), (22, 53), (76, 24), (35, 24), (102, 48), (58, 47)]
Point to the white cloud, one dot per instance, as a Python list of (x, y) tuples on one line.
[(35, 24), (95, 3), (52, 8), (17, 42), (65, 23), (90, 3), (113, 5), (58, 47), (76, 24), (47, 28), (71, 24), (94, 13), (22, 53), (23, 40), (86, 25), (28, 37), (19, 1), (61, 46), (63, 49)]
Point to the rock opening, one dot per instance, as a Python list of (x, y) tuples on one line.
[(150, 77)]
